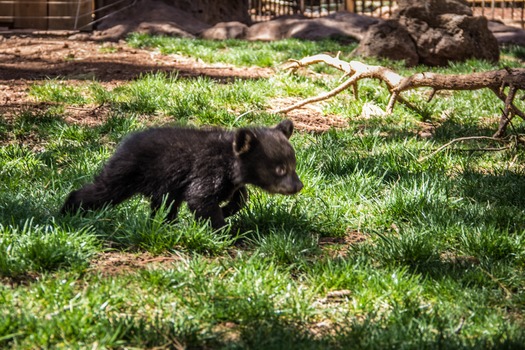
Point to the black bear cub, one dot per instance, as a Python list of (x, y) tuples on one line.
[(204, 167)]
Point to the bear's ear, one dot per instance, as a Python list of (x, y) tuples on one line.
[(243, 142), (286, 127)]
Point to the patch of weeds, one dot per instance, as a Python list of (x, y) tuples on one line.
[(238, 52), (515, 52), (75, 134), (156, 235), (117, 127), (57, 92), (152, 233), (99, 94), (146, 95), (34, 248), (32, 126), (408, 247), (268, 212), (199, 237), (489, 244), (290, 248)]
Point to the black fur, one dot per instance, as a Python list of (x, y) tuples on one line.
[(204, 167)]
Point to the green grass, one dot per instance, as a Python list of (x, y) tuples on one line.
[(237, 52), (429, 254)]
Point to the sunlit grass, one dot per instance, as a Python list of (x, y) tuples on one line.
[(237, 52), (383, 248)]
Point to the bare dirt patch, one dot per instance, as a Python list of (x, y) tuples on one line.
[(28, 59), (337, 247), (42, 57), (118, 263), (310, 117)]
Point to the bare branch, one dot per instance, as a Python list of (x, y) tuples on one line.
[(496, 81)]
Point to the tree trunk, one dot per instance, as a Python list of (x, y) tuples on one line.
[(215, 11), (207, 11)]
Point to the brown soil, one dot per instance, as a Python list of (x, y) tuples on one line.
[(116, 263), (28, 59)]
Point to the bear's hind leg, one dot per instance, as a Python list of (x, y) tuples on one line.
[(207, 208), (171, 203), (239, 199)]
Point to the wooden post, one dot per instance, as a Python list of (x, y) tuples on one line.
[(32, 14), (7, 12), (350, 5), (67, 15)]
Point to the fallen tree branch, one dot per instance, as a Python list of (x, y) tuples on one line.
[(354, 70), (496, 81)]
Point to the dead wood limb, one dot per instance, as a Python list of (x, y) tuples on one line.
[(496, 81), (507, 113), (354, 70)]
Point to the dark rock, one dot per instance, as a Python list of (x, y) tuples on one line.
[(213, 12), (441, 31), (153, 16), (276, 29), (428, 10), (167, 28), (389, 39)]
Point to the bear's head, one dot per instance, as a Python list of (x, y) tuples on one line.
[(267, 159)]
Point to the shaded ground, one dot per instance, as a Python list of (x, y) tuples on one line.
[(26, 60), (34, 58), (114, 263)]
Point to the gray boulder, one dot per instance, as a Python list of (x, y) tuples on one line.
[(389, 39)]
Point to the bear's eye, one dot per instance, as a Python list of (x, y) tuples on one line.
[(280, 170)]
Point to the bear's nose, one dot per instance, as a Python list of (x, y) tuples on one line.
[(298, 186)]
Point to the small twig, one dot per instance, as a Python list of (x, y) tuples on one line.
[(392, 102), (431, 95), (159, 259), (487, 149), (355, 91), (460, 139), (89, 109), (508, 293), (244, 114), (503, 97), (460, 326)]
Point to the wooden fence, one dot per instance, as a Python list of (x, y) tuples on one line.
[(46, 14), (58, 14), (510, 11)]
